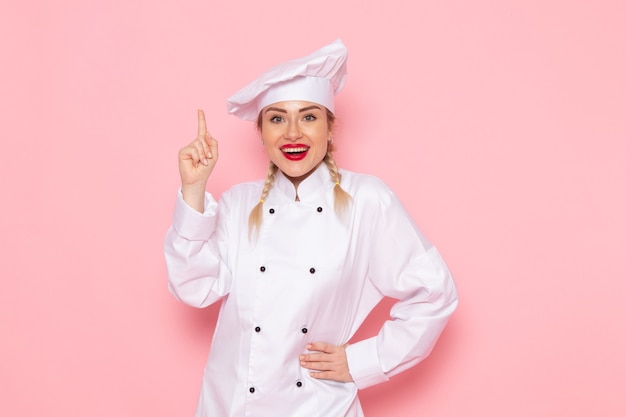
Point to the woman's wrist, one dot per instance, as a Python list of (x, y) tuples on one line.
[(194, 196)]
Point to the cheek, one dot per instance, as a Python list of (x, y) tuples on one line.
[(269, 135), (321, 149), (324, 146), (322, 141)]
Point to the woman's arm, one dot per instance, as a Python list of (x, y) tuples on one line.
[(405, 266), (195, 243), (194, 252)]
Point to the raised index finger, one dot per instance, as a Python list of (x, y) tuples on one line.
[(201, 124)]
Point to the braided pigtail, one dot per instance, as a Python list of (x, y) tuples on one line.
[(256, 215), (342, 198)]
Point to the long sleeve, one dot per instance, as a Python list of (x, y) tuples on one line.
[(405, 266), (194, 253)]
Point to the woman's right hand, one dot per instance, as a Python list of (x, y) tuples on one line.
[(195, 163)]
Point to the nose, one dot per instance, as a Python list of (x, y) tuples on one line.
[(293, 131)]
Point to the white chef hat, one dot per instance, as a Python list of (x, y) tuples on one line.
[(316, 78)]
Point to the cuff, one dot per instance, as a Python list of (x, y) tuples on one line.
[(364, 363), (191, 224)]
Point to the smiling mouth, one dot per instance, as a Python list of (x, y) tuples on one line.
[(295, 151)]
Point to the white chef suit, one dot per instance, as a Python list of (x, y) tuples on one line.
[(309, 276)]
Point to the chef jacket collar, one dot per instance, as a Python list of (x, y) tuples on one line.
[(310, 189)]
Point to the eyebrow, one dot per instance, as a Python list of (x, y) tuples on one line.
[(309, 108), (285, 111)]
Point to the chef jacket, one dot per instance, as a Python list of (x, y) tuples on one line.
[(310, 275)]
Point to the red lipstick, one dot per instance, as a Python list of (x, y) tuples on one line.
[(294, 151)]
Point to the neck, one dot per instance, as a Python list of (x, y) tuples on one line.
[(297, 180)]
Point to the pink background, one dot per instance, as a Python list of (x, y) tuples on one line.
[(500, 124)]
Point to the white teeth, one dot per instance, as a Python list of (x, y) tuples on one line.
[(295, 150)]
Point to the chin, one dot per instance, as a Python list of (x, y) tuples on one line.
[(290, 170), (295, 174)]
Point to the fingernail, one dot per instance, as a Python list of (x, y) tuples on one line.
[(301, 357), (308, 346), (205, 161)]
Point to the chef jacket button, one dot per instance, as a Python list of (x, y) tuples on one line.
[(262, 269), (298, 384), (257, 329), (319, 209), (272, 211), (252, 390), (304, 330), (312, 270)]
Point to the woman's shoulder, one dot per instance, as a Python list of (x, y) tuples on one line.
[(372, 195), (364, 185), (243, 191), (245, 187)]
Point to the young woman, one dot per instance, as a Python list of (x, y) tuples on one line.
[(299, 259)]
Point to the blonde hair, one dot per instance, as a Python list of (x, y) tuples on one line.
[(256, 215), (341, 197)]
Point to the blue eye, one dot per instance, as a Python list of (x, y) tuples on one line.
[(276, 119), (310, 117)]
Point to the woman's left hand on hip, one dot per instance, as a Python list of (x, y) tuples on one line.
[(327, 362)]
